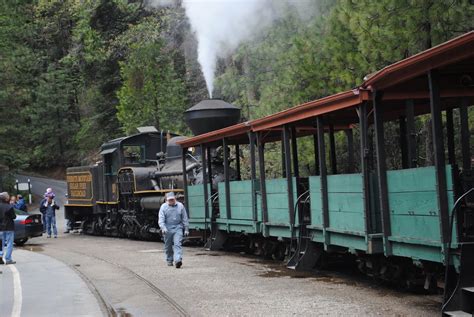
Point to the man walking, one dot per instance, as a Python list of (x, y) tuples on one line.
[(172, 220), (7, 226), (48, 209)]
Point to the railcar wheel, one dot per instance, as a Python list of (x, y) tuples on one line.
[(279, 252)]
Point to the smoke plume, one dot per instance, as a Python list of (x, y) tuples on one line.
[(221, 25)]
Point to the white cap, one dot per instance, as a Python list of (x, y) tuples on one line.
[(170, 195)]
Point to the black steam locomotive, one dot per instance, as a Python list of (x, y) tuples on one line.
[(121, 194)]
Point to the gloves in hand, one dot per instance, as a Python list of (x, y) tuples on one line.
[(186, 233)]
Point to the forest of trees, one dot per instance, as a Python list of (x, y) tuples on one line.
[(74, 74)]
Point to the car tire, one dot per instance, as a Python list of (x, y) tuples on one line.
[(20, 242)]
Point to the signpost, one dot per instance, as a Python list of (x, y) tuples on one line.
[(24, 187)]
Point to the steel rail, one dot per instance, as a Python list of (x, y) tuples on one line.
[(179, 309)]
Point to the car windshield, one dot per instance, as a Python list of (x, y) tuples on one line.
[(20, 212)]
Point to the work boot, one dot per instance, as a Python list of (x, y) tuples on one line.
[(178, 264), (1, 261), (10, 262), (67, 231), (170, 263)]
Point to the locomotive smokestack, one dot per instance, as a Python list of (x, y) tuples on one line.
[(210, 115)]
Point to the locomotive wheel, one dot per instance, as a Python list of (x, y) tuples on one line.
[(87, 228), (122, 230), (96, 228), (144, 234)]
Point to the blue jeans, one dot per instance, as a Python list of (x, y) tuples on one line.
[(44, 222), (51, 221), (173, 249), (7, 243)]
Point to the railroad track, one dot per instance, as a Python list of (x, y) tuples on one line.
[(113, 312)]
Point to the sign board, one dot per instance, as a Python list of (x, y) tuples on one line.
[(79, 186), (23, 186)]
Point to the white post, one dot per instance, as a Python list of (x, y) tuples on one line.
[(29, 192)]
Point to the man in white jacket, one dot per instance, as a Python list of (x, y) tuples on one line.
[(173, 220)]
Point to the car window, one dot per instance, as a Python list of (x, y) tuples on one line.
[(20, 212)]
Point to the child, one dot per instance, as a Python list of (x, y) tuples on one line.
[(49, 192)]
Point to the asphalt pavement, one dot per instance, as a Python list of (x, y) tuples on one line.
[(39, 285)]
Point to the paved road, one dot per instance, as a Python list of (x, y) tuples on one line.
[(132, 278), (39, 285)]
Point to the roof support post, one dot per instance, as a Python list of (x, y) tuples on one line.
[(411, 134), (350, 150), (403, 140), (226, 178), (185, 179), (450, 134), (261, 168), (253, 173), (332, 146), (382, 170), (205, 180), (364, 164), (465, 135), (209, 167), (296, 169), (438, 146), (294, 152), (316, 156), (323, 178), (283, 166), (237, 162), (288, 176)]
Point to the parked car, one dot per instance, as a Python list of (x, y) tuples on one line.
[(27, 225)]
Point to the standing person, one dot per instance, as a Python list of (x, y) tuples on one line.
[(48, 209), (49, 192), (7, 226), (172, 220), (13, 200), (20, 203)]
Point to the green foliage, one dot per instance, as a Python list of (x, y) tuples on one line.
[(152, 93)]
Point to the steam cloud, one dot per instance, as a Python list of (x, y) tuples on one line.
[(221, 25)]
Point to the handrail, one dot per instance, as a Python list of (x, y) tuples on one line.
[(300, 225), (216, 194), (455, 207)]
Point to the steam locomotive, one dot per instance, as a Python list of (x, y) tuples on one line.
[(121, 194)]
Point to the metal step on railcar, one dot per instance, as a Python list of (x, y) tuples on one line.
[(217, 238), (461, 301), (307, 253), (306, 256)]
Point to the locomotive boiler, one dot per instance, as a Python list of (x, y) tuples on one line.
[(121, 194)]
